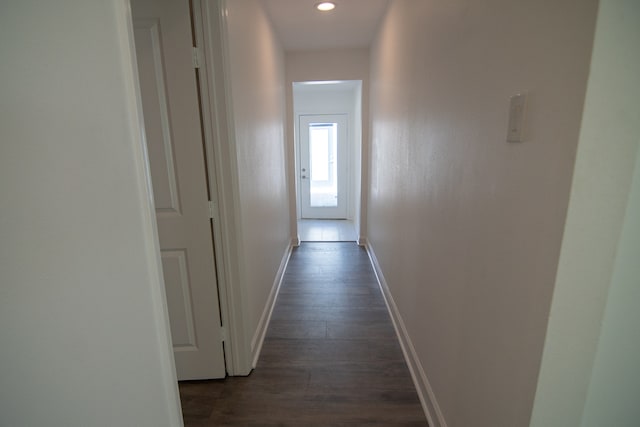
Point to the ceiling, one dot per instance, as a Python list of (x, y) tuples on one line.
[(300, 26)]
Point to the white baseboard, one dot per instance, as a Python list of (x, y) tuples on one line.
[(425, 392), (261, 330)]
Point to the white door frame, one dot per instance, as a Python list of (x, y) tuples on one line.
[(344, 159), (217, 116), (356, 151)]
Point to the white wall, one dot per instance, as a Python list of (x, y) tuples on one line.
[(467, 227), (338, 98), (334, 64), (256, 70), (614, 388), (84, 333), (589, 374)]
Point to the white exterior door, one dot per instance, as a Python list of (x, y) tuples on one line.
[(323, 166), (168, 85)]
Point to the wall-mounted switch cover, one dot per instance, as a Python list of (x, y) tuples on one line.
[(517, 110)]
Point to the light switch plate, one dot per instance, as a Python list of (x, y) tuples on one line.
[(517, 110)]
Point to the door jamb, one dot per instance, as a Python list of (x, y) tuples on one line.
[(217, 119)]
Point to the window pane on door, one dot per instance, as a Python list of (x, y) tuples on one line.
[(323, 150), (319, 154)]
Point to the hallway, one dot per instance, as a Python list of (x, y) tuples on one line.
[(330, 357)]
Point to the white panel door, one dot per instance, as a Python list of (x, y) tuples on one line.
[(168, 85), (323, 166)]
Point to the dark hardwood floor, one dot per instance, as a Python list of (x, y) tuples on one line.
[(330, 357)]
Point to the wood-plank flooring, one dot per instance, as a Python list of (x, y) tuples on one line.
[(330, 357)]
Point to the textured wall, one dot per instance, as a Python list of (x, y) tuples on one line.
[(467, 227)]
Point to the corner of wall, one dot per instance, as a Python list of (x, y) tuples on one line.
[(263, 324), (594, 235)]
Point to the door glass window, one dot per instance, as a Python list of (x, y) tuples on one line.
[(323, 152)]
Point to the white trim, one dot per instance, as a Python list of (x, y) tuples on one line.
[(263, 324), (352, 156), (425, 392), (222, 158), (152, 242)]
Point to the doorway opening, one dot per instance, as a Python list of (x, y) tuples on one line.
[(328, 145)]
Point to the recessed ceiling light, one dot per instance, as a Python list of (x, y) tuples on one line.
[(325, 6)]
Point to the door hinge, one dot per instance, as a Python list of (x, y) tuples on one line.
[(223, 334), (212, 210), (196, 57)]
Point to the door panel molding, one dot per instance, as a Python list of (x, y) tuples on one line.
[(174, 266), (151, 65)]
